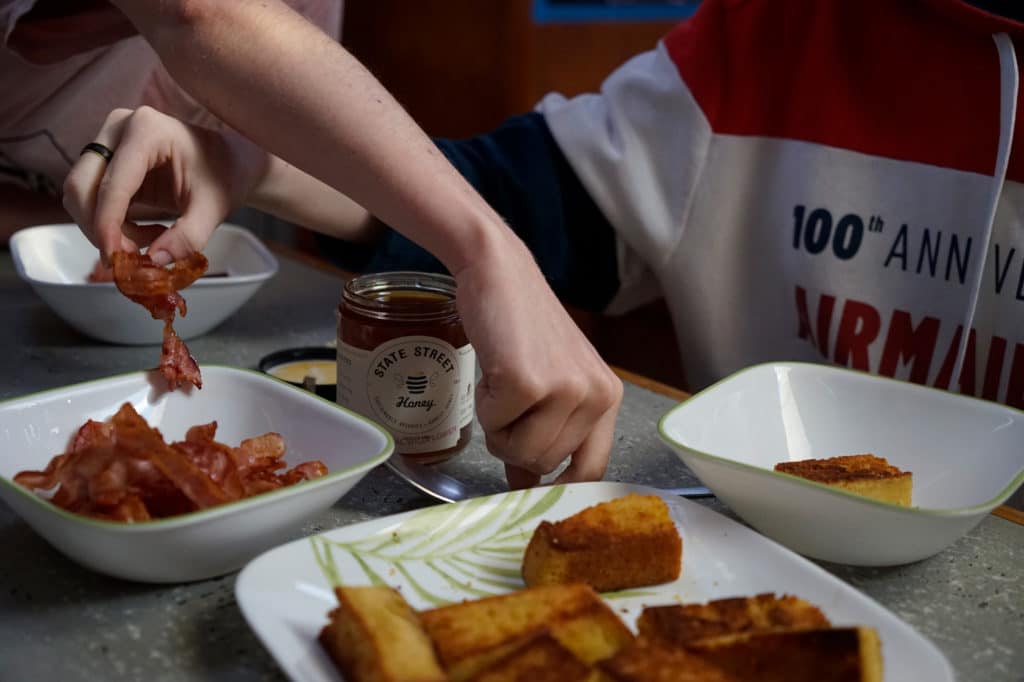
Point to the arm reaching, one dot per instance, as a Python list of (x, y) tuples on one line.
[(545, 394), (318, 109), (289, 193)]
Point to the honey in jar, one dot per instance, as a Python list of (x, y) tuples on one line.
[(404, 361)]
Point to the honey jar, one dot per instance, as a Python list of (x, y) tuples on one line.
[(404, 361)]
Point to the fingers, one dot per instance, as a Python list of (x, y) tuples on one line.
[(83, 182), (590, 460), (134, 157), (533, 437), (189, 233), (539, 438)]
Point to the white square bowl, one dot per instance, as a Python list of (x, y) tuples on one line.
[(966, 456), (56, 261), (201, 544)]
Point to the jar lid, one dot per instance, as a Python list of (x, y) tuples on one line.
[(313, 368)]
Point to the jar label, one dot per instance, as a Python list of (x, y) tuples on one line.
[(420, 388)]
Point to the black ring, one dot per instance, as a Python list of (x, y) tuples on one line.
[(100, 149)]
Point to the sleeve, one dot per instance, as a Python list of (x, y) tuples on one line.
[(521, 172), (638, 146)]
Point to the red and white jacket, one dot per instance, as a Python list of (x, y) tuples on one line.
[(820, 180)]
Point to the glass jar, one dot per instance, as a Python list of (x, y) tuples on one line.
[(404, 361)]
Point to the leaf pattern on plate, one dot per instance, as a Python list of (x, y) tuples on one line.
[(444, 553)]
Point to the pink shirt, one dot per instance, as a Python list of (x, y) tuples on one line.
[(49, 111)]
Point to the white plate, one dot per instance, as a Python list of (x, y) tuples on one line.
[(202, 544), (472, 549), (57, 259), (965, 455)]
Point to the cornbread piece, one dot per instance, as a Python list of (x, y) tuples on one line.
[(626, 542), (850, 654), (470, 636), (681, 624), (375, 636), (828, 655), (866, 475), (540, 659), (656, 661)]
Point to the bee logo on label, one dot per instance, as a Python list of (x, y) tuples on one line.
[(416, 384)]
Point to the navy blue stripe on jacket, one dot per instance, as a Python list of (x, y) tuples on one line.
[(521, 172)]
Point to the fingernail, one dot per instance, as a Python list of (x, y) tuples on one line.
[(161, 257)]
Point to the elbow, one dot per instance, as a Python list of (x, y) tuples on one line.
[(156, 18), (163, 15), (170, 24), (189, 12)]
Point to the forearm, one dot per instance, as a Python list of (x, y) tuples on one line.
[(322, 111), (295, 196)]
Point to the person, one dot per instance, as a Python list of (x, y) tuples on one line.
[(545, 397), (816, 181), (63, 67), (792, 193)]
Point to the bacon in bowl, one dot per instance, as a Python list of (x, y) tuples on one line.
[(203, 542), (123, 470)]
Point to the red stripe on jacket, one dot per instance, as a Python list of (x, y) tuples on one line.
[(889, 78)]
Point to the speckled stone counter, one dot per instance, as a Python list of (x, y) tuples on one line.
[(61, 622)]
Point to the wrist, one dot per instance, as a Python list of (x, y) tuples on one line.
[(481, 238), (265, 189), (247, 167)]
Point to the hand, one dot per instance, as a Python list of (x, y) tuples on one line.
[(159, 163), (545, 394)]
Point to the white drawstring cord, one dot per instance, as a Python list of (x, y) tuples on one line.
[(1009, 78)]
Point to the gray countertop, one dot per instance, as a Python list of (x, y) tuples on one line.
[(61, 622)]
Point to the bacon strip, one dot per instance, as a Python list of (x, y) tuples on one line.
[(139, 439), (176, 362), (156, 289)]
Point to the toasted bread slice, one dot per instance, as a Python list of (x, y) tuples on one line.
[(866, 475), (540, 659), (375, 636), (626, 542), (657, 661), (824, 655), (851, 654), (470, 636), (682, 624)]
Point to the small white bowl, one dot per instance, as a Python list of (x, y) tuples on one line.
[(201, 544), (57, 259), (966, 456)]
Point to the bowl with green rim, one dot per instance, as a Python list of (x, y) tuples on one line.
[(205, 543), (966, 457)]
